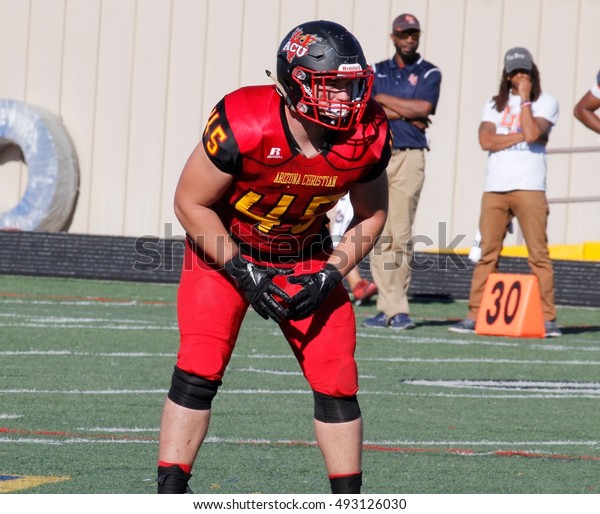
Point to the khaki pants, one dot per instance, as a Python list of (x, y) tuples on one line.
[(393, 254), (497, 210)]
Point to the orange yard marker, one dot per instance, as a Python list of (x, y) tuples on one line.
[(511, 307)]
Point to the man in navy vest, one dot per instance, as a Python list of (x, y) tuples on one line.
[(408, 88)]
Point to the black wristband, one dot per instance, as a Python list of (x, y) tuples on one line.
[(235, 263), (334, 272)]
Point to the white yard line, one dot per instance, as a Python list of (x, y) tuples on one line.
[(532, 445), (554, 394), (258, 356), (15, 320), (108, 302), (447, 360), (119, 430), (508, 384), (51, 353), (89, 325), (392, 338), (280, 372)]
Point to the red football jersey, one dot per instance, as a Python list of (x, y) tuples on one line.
[(278, 201)]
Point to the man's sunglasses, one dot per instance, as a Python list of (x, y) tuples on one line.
[(415, 35)]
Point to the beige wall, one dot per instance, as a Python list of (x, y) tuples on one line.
[(133, 81)]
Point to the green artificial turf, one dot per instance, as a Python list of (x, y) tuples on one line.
[(86, 366)]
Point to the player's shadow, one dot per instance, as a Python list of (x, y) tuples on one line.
[(431, 300), (580, 329), (437, 322)]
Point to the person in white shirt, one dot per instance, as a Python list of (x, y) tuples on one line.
[(341, 215), (515, 127), (585, 109)]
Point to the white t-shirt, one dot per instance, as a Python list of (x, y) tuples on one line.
[(344, 212), (521, 166), (596, 87)]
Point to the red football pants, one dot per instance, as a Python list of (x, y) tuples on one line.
[(211, 310)]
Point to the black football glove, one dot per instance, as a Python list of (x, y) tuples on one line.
[(315, 288), (256, 282)]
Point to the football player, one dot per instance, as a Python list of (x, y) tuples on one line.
[(253, 198)]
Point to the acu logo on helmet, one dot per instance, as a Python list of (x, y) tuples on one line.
[(298, 44)]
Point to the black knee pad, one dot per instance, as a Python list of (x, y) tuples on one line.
[(332, 409), (192, 391)]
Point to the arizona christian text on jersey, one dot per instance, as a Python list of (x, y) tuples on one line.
[(278, 201)]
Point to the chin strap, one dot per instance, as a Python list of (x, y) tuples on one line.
[(280, 89)]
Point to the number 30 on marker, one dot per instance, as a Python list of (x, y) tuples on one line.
[(511, 307)]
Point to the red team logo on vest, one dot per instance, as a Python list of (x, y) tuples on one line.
[(299, 43)]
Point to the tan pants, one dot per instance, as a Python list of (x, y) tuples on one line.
[(392, 256), (497, 210)]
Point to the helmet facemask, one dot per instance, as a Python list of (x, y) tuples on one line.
[(318, 95)]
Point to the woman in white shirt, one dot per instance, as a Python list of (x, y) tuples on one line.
[(515, 127)]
